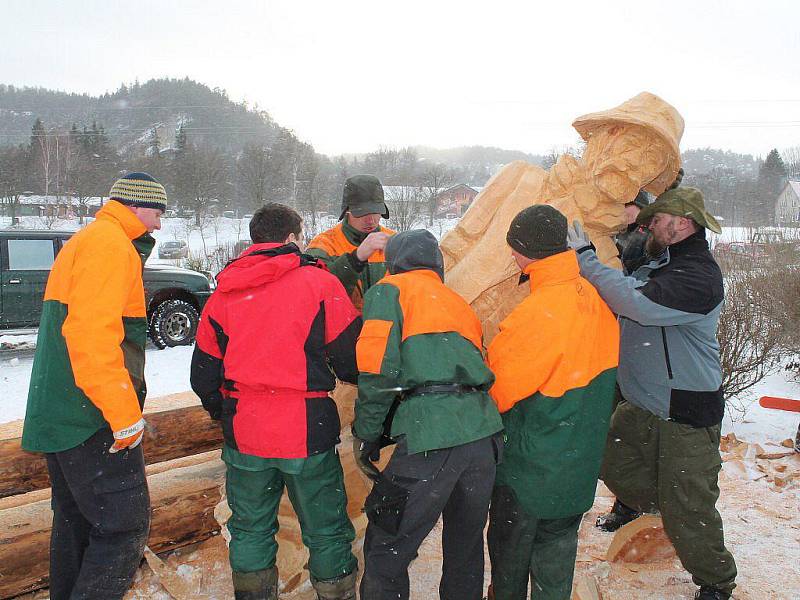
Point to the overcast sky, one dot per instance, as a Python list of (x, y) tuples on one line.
[(349, 76)]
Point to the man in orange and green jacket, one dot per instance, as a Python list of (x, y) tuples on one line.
[(353, 250), (555, 362), (87, 392), (420, 352)]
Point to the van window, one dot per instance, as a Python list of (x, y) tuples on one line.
[(30, 255)]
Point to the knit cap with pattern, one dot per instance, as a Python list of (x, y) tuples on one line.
[(139, 189)]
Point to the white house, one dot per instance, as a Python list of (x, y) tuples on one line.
[(787, 206)]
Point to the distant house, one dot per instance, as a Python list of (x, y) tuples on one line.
[(455, 200), (451, 202), (62, 207), (787, 206)]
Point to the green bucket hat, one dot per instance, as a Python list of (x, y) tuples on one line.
[(682, 202), (363, 195)]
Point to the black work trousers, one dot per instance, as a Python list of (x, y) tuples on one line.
[(454, 483), (101, 519)]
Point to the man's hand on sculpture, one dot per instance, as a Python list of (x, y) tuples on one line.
[(128, 438), (577, 238), (364, 453), (372, 243)]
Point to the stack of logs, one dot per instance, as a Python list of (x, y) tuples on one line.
[(185, 476)]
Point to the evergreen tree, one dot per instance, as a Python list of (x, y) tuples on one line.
[(771, 179)]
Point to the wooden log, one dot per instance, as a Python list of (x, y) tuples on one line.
[(183, 501), (170, 434), (642, 541)]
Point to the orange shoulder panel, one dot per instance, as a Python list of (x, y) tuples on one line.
[(431, 307), (332, 242), (558, 339)]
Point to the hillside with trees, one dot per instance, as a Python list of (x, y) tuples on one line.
[(215, 154)]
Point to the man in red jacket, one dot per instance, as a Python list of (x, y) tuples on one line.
[(271, 338)]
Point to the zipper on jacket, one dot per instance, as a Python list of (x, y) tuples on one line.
[(666, 352)]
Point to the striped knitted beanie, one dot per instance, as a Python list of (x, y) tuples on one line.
[(139, 189)]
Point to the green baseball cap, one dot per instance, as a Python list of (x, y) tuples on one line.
[(363, 195), (682, 202)]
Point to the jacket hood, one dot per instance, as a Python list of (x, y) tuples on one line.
[(413, 251), (260, 264)]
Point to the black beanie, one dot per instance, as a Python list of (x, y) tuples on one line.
[(538, 231)]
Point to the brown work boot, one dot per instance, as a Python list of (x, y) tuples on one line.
[(256, 585), (343, 588)]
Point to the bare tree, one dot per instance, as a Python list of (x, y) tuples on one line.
[(434, 180), (253, 169), (406, 206), (13, 161), (201, 179), (749, 334), (791, 160)]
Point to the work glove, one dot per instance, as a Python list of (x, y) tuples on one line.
[(577, 238), (130, 437), (365, 452)]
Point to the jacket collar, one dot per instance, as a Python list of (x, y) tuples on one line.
[(554, 269), (119, 213), (692, 244), (353, 235)]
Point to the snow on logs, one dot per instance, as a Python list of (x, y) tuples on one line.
[(183, 500), (171, 433), (185, 476)]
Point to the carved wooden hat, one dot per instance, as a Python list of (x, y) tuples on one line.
[(651, 112)]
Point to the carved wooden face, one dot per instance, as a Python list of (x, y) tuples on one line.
[(623, 158)]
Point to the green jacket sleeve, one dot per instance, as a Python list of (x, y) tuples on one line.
[(379, 363), (346, 268)]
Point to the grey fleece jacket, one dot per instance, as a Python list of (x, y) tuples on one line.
[(669, 311)]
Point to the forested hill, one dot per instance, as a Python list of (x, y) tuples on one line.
[(131, 114)]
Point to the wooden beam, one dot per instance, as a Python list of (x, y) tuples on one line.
[(183, 501), (170, 434)]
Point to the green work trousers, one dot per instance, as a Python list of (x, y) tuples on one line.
[(316, 491), (655, 465), (522, 548)]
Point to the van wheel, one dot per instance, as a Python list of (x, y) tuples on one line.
[(174, 323)]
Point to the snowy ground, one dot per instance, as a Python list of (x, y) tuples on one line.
[(761, 522)]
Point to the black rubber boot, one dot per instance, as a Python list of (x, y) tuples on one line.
[(256, 585), (707, 592), (343, 588), (620, 515)]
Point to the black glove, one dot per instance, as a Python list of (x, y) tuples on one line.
[(365, 452)]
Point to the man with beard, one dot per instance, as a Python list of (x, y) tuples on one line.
[(662, 452)]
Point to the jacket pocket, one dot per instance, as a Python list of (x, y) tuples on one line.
[(666, 352), (228, 413), (371, 345)]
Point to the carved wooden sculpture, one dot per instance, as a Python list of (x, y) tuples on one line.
[(630, 147)]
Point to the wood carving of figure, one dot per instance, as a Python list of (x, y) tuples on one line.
[(630, 147)]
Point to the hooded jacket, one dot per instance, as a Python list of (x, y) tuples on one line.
[(555, 361), (270, 340), (337, 247), (669, 311), (88, 372), (418, 332)]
